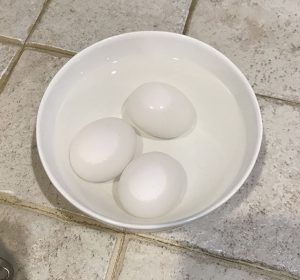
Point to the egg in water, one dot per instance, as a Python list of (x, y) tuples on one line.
[(160, 110), (102, 149), (151, 185)]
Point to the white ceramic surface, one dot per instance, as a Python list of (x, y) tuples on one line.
[(219, 153)]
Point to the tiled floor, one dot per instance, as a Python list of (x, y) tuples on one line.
[(7, 53), (178, 264), (254, 236), (46, 248), (261, 37), (74, 25)]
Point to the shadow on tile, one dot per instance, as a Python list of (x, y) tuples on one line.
[(12, 244), (49, 191)]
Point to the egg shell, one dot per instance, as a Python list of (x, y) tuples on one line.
[(102, 149), (160, 110), (151, 185)]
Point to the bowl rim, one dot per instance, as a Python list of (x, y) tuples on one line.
[(177, 222)]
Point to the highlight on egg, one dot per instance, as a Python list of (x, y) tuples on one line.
[(102, 149), (152, 185), (160, 110)]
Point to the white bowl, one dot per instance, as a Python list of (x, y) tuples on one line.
[(218, 154)]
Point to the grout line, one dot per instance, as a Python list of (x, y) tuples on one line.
[(7, 73), (189, 16), (69, 54), (33, 26), (10, 69), (258, 267), (115, 257), (11, 40), (123, 239), (51, 50), (116, 263), (71, 217), (17, 57), (186, 30), (59, 214), (273, 98)]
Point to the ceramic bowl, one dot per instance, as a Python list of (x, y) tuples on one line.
[(218, 154)]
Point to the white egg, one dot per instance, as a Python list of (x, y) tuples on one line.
[(151, 185), (102, 149), (160, 110)]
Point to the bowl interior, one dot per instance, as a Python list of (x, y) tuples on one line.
[(218, 154)]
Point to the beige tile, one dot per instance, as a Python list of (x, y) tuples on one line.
[(261, 37), (76, 24), (7, 52), (43, 248), (21, 173), (17, 17), (147, 261), (261, 223)]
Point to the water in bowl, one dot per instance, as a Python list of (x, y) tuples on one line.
[(211, 153)]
